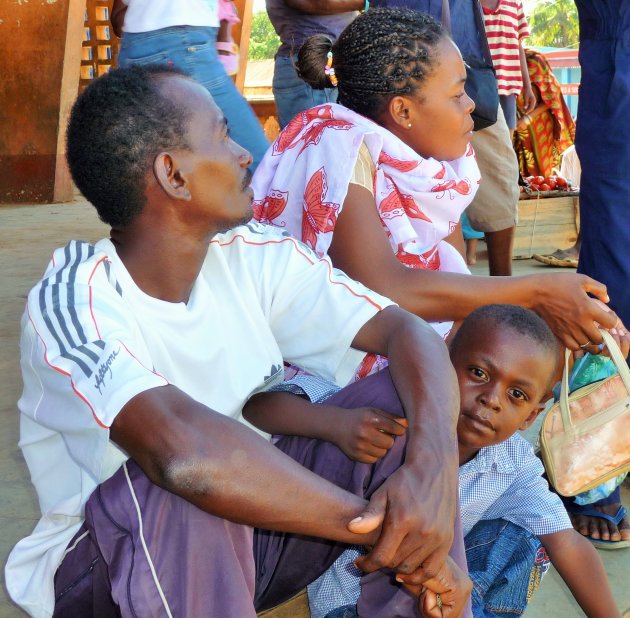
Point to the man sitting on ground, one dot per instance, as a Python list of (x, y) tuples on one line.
[(138, 354)]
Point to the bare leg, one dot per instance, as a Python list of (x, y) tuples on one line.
[(471, 251), (499, 245)]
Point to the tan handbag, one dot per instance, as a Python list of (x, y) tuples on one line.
[(585, 436)]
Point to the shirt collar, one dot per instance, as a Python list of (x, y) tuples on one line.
[(491, 458)]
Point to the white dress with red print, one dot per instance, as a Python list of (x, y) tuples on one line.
[(303, 180)]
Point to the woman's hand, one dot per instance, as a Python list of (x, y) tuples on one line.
[(574, 307)]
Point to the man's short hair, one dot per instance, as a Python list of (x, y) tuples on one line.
[(117, 127), (521, 320)]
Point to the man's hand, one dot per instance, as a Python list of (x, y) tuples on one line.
[(417, 513), (366, 434), (529, 99)]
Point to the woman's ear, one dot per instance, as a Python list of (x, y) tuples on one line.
[(399, 112), (170, 177)]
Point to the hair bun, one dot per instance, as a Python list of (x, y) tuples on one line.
[(311, 61)]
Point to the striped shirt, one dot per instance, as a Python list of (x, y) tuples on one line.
[(506, 27)]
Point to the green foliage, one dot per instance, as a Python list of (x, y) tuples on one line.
[(264, 41), (554, 23)]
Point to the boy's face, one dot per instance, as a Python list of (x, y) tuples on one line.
[(504, 378)]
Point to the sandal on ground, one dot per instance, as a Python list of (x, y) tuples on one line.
[(613, 519), (229, 60), (552, 260)]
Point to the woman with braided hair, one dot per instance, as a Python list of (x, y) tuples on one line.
[(379, 180)]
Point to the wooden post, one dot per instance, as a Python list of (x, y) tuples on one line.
[(40, 46), (242, 33)]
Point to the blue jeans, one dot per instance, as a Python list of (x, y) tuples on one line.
[(294, 95), (506, 564), (192, 49)]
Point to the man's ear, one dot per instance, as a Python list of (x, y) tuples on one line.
[(170, 177), (399, 111), (533, 415)]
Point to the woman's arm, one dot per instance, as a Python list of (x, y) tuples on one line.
[(583, 572), (362, 250)]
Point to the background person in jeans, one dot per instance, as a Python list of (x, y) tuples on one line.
[(183, 33), (295, 21)]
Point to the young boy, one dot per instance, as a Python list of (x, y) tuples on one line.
[(505, 358)]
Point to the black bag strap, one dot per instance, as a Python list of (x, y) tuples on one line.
[(479, 23)]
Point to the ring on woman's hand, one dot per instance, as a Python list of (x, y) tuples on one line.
[(438, 601), (585, 345)]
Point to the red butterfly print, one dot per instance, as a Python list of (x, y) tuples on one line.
[(371, 364), (441, 173), (295, 131), (270, 207), (313, 134), (399, 164), (429, 260), (463, 187), (294, 128), (396, 202), (469, 151), (318, 216), (365, 367)]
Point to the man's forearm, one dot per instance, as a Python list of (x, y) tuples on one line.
[(427, 386), (226, 469), (325, 7)]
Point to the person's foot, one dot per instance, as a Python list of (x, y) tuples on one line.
[(598, 528), (561, 257)]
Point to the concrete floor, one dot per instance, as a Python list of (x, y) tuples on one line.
[(28, 235)]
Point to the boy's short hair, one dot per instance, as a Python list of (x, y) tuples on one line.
[(521, 320), (117, 126)]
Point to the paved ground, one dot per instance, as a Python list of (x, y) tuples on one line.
[(28, 236)]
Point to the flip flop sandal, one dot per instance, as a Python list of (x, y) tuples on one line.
[(229, 60), (550, 260), (613, 519)]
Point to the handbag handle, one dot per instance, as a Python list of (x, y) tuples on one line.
[(617, 358)]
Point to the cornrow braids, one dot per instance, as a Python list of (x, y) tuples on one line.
[(381, 54)]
